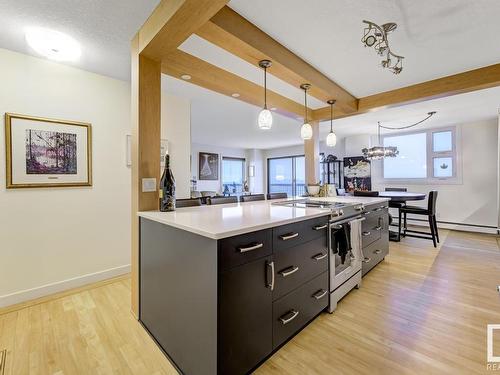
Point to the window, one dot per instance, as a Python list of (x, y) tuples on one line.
[(233, 175), (286, 175), (427, 156)]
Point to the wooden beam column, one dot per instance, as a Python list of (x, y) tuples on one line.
[(311, 151), (146, 128)]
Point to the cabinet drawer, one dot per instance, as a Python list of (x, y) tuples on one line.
[(374, 254), (237, 250), (376, 221), (296, 265), (293, 234), (293, 311)]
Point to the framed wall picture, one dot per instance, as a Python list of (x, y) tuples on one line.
[(357, 174), (208, 166), (43, 152)]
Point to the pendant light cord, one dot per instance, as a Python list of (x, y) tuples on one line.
[(331, 118), (265, 88), (429, 115), (305, 102)]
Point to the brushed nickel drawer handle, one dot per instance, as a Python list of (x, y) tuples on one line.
[(289, 271), (271, 284), (366, 233), (251, 247), (320, 256), (378, 228), (367, 260), (320, 294), (320, 227), (289, 236), (377, 251), (293, 314)]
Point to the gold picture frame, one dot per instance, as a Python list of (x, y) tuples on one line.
[(79, 167)]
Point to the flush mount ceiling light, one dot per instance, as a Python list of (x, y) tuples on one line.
[(380, 152), (53, 44), (376, 36), (331, 138), (265, 116), (306, 131)]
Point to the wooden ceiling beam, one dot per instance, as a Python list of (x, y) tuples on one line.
[(461, 83), (232, 32), (219, 80), (172, 22)]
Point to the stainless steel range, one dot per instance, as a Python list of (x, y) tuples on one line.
[(344, 243)]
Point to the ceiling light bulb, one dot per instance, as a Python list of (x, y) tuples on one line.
[(265, 119), (306, 131), (331, 139), (53, 44)]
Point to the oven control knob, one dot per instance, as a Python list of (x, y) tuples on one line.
[(341, 213), (335, 213)]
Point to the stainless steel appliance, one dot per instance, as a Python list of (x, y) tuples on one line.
[(345, 266), (346, 257)]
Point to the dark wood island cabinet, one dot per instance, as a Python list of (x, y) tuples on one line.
[(223, 306)]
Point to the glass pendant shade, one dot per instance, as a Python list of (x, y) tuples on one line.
[(331, 139), (265, 119), (306, 131)]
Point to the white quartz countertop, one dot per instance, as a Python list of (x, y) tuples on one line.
[(226, 220)]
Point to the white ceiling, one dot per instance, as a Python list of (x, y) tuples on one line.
[(104, 28), (436, 37)]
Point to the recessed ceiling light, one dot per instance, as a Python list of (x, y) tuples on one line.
[(186, 77), (273, 109), (235, 95), (53, 44)]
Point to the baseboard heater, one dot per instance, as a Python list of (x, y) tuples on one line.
[(481, 226)]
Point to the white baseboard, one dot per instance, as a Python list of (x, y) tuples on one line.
[(60, 286)]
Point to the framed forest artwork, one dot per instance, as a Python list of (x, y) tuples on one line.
[(208, 166), (44, 152)]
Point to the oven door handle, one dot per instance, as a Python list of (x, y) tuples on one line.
[(336, 224)]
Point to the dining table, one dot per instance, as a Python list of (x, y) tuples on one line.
[(400, 197)]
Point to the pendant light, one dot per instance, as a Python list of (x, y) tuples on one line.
[(306, 131), (331, 138), (265, 116)]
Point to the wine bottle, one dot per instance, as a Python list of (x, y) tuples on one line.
[(167, 188)]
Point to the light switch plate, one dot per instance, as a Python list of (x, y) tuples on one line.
[(148, 185)]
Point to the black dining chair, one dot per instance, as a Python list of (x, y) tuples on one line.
[(398, 206), (193, 202), (361, 193), (222, 200), (253, 197), (277, 196), (430, 212)]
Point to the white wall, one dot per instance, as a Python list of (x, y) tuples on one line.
[(176, 127), (55, 238), (255, 158), (474, 201), (211, 185)]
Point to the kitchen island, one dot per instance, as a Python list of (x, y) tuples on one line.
[(224, 286)]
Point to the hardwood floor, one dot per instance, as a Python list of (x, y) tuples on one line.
[(421, 311)]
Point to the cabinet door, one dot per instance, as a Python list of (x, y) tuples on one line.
[(245, 316)]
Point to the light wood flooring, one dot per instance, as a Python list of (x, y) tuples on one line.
[(421, 311)]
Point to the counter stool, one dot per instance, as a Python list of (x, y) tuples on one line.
[(397, 205), (252, 197), (430, 212)]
